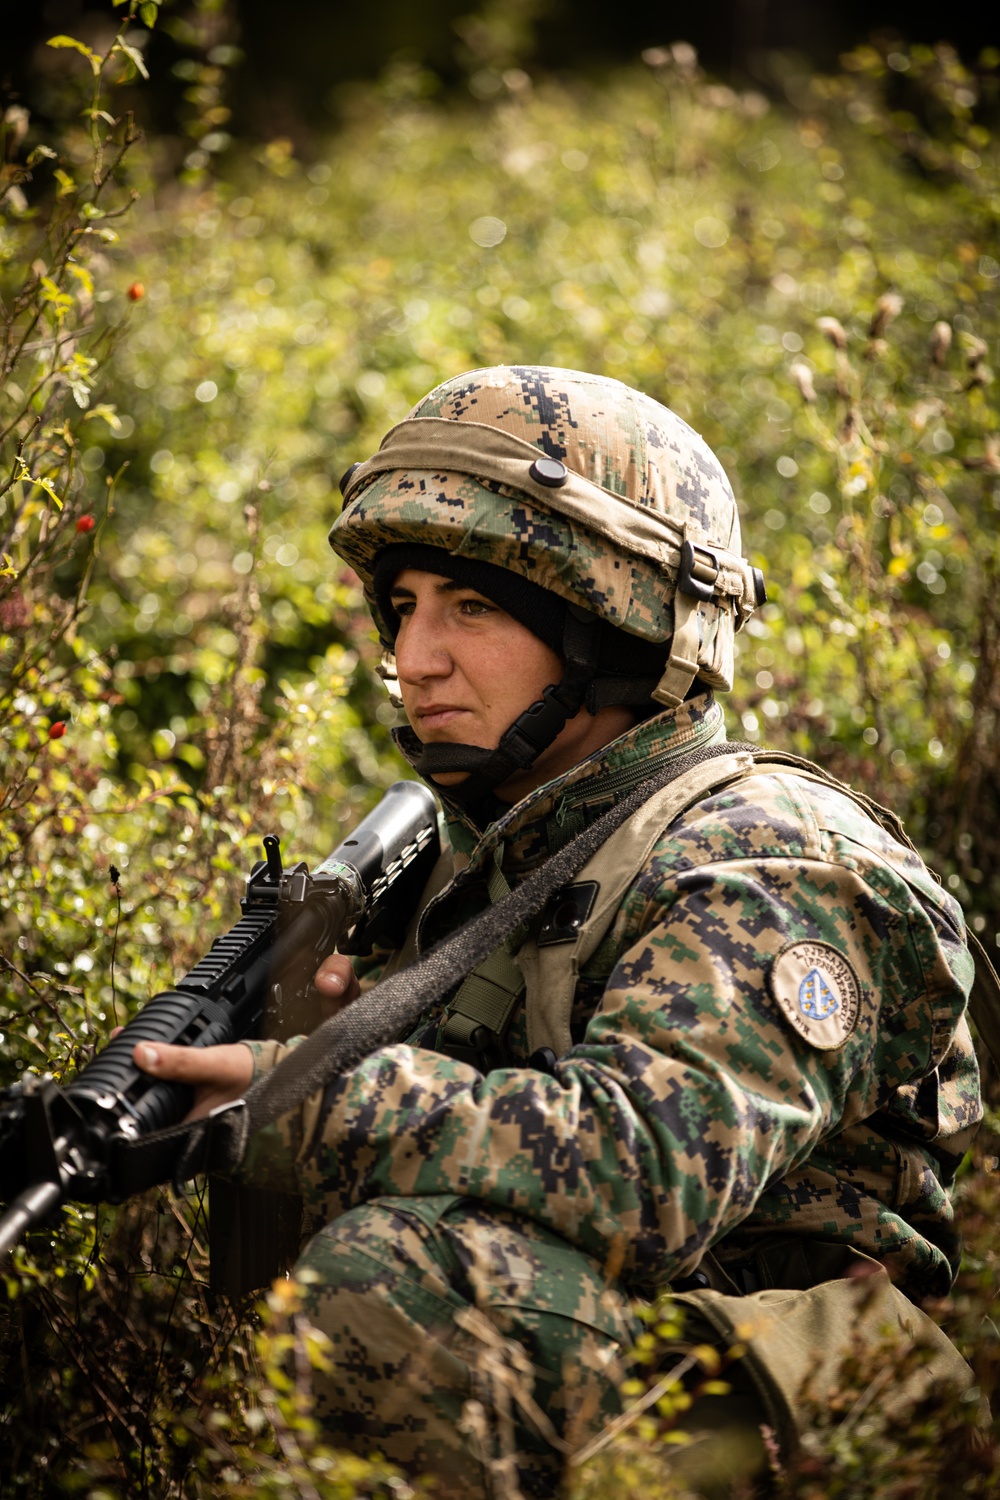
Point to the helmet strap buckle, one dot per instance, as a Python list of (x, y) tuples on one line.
[(698, 571)]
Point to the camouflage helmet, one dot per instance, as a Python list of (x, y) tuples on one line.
[(579, 484)]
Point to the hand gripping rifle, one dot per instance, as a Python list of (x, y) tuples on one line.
[(74, 1140)]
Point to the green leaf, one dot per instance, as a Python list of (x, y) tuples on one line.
[(70, 41), (40, 483), (107, 413), (83, 276), (54, 295), (77, 46), (134, 56), (148, 11)]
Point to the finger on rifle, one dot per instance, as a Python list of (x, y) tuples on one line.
[(336, 978), (229, 1066)]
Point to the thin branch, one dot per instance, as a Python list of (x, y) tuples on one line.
[(90, 1377), (619, 1424), (43, 998), (116, 887)]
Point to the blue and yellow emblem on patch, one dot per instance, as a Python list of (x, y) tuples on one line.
[(818, 992), (817, 999)]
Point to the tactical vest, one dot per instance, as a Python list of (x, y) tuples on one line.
[(545, 968)]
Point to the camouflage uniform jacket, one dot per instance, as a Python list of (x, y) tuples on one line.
[(691, 1112)]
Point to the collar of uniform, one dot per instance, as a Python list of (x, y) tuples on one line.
[(552, 814)]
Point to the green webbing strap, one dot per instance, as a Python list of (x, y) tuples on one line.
[(477, 1019)]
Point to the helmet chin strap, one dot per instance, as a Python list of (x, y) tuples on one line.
[(532, 731)]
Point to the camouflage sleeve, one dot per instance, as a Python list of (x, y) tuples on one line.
[(368, 966), (697, 1084)]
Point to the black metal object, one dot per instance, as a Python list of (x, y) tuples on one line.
[(566, 913), (550, 472), (699, 569), (71, 1141)]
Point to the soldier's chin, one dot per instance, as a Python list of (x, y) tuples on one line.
[(450, 778)]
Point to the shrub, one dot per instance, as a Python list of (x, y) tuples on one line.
[(812, 284)]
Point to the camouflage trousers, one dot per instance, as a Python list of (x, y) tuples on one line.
[(477, 1348), (470, 1345)]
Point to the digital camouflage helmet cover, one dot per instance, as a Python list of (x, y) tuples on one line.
[(586, 488)]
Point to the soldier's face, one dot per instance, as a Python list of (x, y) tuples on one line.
[(467, 669)]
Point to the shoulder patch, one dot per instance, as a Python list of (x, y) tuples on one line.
[(818, 992)]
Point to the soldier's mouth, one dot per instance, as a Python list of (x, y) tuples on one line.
[(439, 716)]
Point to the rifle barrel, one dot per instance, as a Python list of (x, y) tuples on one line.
[(28, 1208)]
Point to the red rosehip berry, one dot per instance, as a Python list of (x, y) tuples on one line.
[(85, 523), (57, 730), (136, 292)]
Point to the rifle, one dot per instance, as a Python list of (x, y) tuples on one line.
[(72, 1140)]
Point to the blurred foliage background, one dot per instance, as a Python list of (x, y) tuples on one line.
[(203, 328)]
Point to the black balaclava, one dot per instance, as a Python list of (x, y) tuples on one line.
[(538, 609), (601, 666)]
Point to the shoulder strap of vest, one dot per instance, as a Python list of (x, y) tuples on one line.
[(551, 968), (478, 1015)]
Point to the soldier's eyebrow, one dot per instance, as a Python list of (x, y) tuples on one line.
[(443, 586)]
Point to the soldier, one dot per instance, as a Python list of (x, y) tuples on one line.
[(731, 1061)]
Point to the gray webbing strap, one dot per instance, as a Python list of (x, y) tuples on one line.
[(487, 998)]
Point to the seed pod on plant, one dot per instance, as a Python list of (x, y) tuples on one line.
[(940, 343), (85, 523), (16, 119), (888, 306), (685, 58), (833, 329), (976, 350), (57, 730), (802, 375)]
